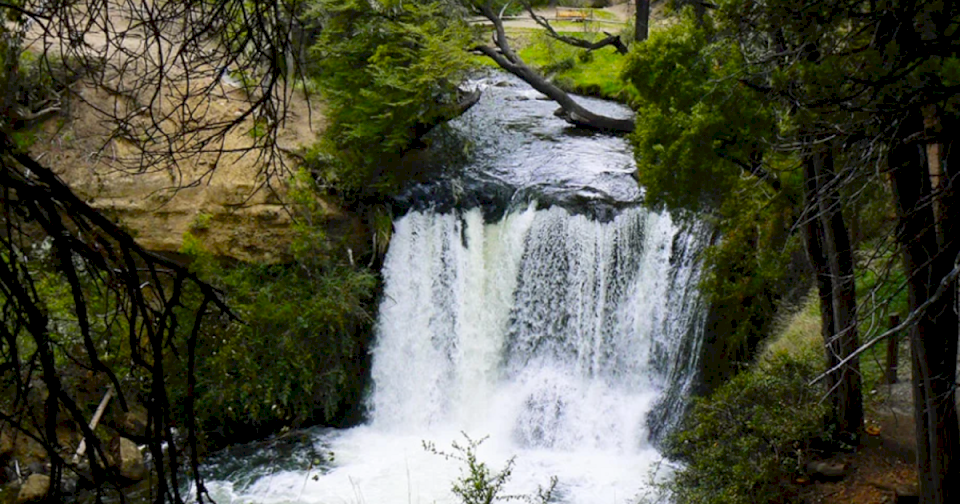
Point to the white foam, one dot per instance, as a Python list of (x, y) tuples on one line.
[(538, 331)]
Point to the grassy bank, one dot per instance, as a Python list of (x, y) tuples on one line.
[(592, 73)]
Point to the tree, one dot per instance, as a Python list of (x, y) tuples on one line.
[(641, 20), (924, 180), (700, 109), (155, 59), (696, 145), (872, 87), (896, 90), (828, 246), (389, 72)]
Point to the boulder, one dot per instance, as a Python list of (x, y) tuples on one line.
[(135, 421), (35, 489), (128, 459), (822, 470)]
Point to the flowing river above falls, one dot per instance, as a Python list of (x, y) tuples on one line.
[(528, 299)]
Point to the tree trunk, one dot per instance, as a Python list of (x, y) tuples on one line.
[(829, 251), (928, 258), (847, 396), (642, 20), (441, 115)]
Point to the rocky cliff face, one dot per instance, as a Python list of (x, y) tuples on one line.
[(231, 197)]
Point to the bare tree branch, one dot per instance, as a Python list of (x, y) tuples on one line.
[(946, 283), (570, 110), (610, 40)]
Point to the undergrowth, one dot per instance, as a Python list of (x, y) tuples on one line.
[(746, 441)]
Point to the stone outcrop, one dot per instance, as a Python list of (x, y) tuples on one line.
[(231, 199), (128, 459), (35, 489)]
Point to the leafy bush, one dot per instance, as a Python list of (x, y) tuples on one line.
[(743, 442), (297, 354), (201, 221), (479, 484)]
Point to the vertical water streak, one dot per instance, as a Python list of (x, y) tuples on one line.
[(449, 289), (567, 326)]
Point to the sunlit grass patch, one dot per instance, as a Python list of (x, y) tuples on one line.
[(594, 73), (797, 335)]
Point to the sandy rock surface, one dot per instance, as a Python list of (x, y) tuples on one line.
[(168, 143)]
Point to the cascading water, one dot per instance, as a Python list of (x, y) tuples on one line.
[(553, 333)]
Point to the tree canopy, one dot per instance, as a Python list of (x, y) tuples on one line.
[(826, 100)]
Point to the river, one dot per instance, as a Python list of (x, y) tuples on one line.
[(531, 302)]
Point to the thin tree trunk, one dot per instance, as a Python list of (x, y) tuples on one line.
[(816, 238), (933, 340), (642, 20), (848, 395)]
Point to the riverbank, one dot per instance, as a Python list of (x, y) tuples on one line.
[(594, 73)]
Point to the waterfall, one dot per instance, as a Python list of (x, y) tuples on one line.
[(550, 318), (566, 341), (558, 337)]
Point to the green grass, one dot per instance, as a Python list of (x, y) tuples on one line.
[(797, 335), (604, 15), (594, 73)]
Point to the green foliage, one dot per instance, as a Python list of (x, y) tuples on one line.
[(478, 484), (384, 68), (693, 114), (381, 221), (296, 353), (201, 221), (292, 358), (108, 331), (747, 272), (700, 131), (739, 444)]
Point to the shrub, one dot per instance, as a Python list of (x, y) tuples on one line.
[(479, 484), (201, 221), (297, 353), (743, 442)]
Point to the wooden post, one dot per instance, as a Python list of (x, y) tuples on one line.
[(93, 423), (893, 345)]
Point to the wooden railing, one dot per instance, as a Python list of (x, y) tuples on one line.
[(574, 14)]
